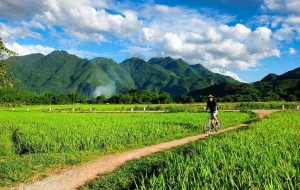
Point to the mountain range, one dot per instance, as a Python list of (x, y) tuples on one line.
[(62, 73), (271, 88)]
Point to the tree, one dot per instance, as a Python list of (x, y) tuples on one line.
[(6, 78), (165, 98), (186, 99), (100, 99)]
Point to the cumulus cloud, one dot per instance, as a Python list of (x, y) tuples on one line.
[(227, 73), (282, 6), (87, 20), (21, 32), (286, 21), (82, 20), (29, 49), (197, 38), (235, 47), (19, 9), (292, 51)]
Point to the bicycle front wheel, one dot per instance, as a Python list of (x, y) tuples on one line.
[(207, 126)]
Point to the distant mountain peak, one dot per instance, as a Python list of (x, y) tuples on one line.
[(269, 78)]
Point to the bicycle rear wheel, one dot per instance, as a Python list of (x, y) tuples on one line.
[(207, 126), (219, 126)]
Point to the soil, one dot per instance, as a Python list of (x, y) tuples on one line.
[(74, 177)]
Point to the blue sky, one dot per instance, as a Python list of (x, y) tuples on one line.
[(245, 39)]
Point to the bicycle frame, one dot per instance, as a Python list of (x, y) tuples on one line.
[(210, 124)]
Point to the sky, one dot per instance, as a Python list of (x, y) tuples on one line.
[(244, 39)]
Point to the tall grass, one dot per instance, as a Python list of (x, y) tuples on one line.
[(262, 156), (31, 142), (42, 132)]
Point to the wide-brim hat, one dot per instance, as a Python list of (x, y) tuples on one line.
[(210, 96)]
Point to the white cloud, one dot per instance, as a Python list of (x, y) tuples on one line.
[(29, 49), (235, 47), (80, 19), (19, 9), (292, 51), (286, 21), (33, 24), (239, 31), (282, 6), (84, 19), (21, 32), (227, 73)]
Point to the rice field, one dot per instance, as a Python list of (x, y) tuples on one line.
[(265, 155), (196, 107), (32, 142)]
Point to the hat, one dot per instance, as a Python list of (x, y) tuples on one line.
[(210, 96)]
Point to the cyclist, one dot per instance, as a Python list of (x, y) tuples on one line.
[(212, 105)]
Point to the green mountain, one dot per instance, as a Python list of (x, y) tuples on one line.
[(294, 74), (269, 78), (272, 87), (62, 73), (189, 77), (51, 73)]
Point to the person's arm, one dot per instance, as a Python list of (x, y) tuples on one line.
[(216, 106)]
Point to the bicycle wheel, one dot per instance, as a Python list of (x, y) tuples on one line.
[(207, 126), (219, 126)]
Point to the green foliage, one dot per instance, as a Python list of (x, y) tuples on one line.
[(31, 142), (264, 155), (269, 78), (6, 78), (62, 73), (274, 90), (135, 96)]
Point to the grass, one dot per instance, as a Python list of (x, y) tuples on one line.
[(32, 143), (195, 107), (264, 155)]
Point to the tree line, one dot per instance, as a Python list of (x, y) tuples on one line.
[(134, 96)]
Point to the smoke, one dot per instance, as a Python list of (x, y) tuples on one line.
[(106, 90)]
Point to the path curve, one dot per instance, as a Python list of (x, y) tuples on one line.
[(77, 176)]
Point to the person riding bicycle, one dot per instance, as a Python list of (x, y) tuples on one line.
[(212, 105)]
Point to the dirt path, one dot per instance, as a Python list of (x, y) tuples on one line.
[(80, 175)]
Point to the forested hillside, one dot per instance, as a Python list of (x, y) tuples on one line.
[(270, 88), (63, 73), (62, 77)]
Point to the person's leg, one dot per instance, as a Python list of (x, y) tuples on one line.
[(212, 116), (215, 117), (212, 119)]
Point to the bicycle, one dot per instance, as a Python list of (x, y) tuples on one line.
[(210, 125)]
